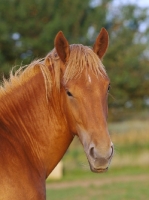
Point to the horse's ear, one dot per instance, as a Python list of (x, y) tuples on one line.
[(101, 43), (62, 46)]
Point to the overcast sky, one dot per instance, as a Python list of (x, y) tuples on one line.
[(142, 3)]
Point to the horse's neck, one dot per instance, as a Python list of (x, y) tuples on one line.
[(26, 115)]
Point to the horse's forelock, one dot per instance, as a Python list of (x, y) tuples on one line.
[(82, 57)]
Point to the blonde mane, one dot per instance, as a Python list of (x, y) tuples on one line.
[(81, 57)]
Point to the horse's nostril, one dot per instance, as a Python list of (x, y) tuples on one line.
[(112, 151), (96, 154), (91, 153)]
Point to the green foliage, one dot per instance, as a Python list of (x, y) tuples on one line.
[(28, 27), (125, 60)]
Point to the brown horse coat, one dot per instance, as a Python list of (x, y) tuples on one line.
[(43, 107)]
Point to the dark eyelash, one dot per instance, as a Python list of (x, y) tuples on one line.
[(109, 87)]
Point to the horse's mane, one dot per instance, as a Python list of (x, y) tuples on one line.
[(81, 57)]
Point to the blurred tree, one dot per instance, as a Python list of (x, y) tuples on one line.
[(126, 62), (28, 27)]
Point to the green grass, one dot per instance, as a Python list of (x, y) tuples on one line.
[(124, 191), (135, 148), (65, 194), (114, 186)]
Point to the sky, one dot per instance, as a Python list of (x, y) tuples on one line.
[(142, 3)]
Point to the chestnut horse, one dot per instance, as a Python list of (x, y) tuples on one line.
[(42, 108)]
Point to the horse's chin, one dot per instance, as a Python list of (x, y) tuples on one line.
[(97, 167), (99, 170)]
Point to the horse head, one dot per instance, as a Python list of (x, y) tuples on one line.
[(85, 86)]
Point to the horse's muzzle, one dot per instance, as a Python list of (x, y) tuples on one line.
[(100, 162)]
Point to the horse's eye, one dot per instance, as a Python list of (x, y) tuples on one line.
[(69, 94), (109, 87)]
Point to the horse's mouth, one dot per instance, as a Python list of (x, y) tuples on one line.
[(99, 170), (95, 169)]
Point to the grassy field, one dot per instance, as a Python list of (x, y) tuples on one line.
[(119, 183), (127, 178), (131, 190)]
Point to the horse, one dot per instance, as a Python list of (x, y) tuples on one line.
[(43, 106)]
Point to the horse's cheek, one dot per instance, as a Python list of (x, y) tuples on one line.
[(74, 109)]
